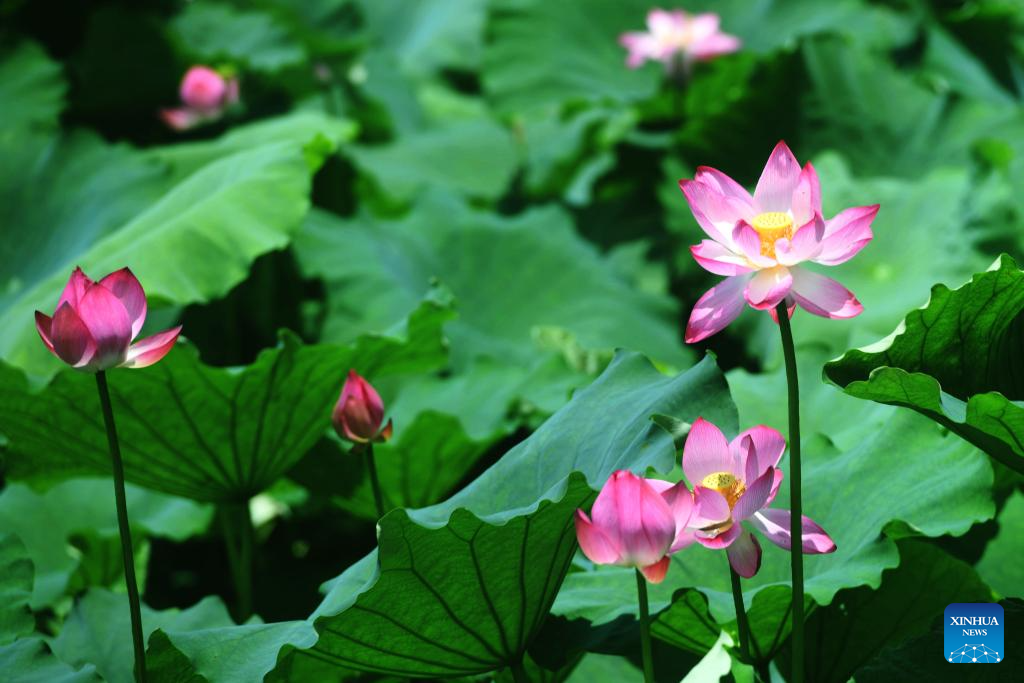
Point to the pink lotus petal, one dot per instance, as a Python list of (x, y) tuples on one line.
[(790, 308), (745, 555), (710, 508), (822, 295), (145, 352), (640, 46), (43, 325), (717, 308), (715, 46), (755, 497), (662, 23), (635, 518), (704, 25), (774, 191), (182, 118), (715, 213), (775, 487), (721, 540), (71, 339), (757, 449), (846, 234), (736, 196), (774, 524), (125, 286), (359, 412), (74, 289), (748, 240), (768, 287), (807, 196), (593, 542), (717, 259), (706, 452), (108, 323), (203, 89), (805, 245), (655, 573)]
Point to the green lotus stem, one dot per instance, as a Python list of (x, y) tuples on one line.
[(371, 465), (238, 537), (742, 625), (127, 553), (645, 628), (519, 672), (795, 502)]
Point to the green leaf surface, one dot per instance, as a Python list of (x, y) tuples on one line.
[(29, 660), (32, 90), (999, 566), (45, 522), (956, 360), (206, 433), (214, 31), (15, 589)]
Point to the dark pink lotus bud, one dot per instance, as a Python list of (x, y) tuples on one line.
[(95, 323), (359, 413), (205, 94)]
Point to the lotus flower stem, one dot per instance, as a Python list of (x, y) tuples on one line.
[(645, 627), (238, 537), (795, 502), (371, 465), (127, 553), (518, 671), (742, 625)]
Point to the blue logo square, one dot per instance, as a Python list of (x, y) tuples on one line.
[(973, 633)]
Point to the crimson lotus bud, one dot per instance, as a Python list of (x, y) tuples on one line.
[(359, 413), (205, 94)]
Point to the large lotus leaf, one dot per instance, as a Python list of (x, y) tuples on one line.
[(206, 433), (957, 360), (861, 621), (32, 90), (510, 276), (855, 495), (29, 660), (214, 31), (46, 521), (1000, 565), (605, 427), (918, 660), (191, 243), (15, 589)]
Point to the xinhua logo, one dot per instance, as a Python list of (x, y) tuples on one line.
[(973, 633)]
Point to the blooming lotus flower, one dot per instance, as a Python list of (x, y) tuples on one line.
[(676, 35), (735, 482), (636, 522), (758, 242), (359, 413), (205, 94), (95, 322)]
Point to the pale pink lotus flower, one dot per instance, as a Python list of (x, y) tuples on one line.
[(95, 323), (677, 37), (758, 242), (359, 413), (636, 522), (205, 94), (734, 483)]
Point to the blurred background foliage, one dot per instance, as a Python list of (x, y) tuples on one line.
[(478, 203)]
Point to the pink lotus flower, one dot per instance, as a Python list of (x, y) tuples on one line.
[(359, 413), (636, 522), (205, 94), (95, 322), (758, 243), (735, 482), (677, 35)]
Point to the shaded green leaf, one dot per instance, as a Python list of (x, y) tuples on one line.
[(15, 589), (32, 89), (215, 31), (1000, 566), (30, 660)]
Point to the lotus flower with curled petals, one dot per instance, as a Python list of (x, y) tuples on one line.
[(735, 482), (95, 323), (677, 36), (636, 522), (758, 242), (359, 412)]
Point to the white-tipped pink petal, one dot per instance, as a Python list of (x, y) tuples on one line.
[(807, 196), (715, 540), (748, 242), (714, 46), (778, 181), (774, 524), (768, 287), (710, 508), (74, 289), (736, 196), (108, 323), (745, 555), (805, 245), (43, 325), (182, 118), (71, 340), (126, 287), (757, 449), (655, 573), (715, 213), (846, 234), (822, 295), (593, 542), (717, 308), (705, 452), (755, 497), (145, 352), (640, 47), (717, 259)]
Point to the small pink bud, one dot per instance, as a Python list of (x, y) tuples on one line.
[(359, 413), (95, 323), (203, 88)]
